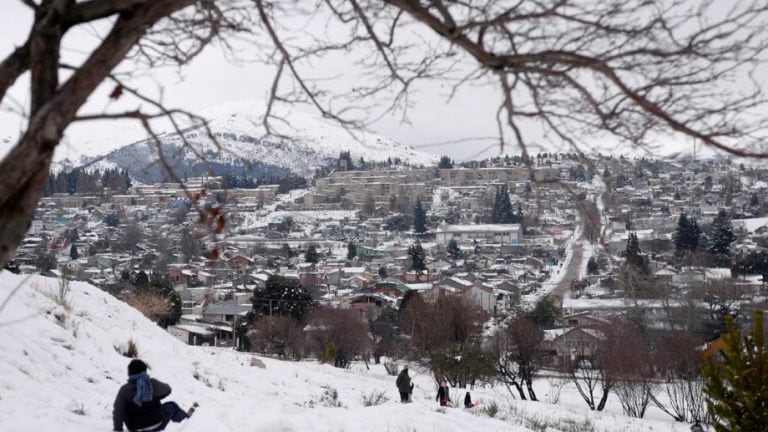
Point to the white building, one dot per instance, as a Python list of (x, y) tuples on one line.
[(486, 233)]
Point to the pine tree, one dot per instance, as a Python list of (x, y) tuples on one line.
[(721, 238), (502, 212), (632, 254), (73, 254), (737, 387), (453, 250), (445, 163), (592, 267), (311, 256), (687, 234), (419, 218), (351, 250), (418, 258)]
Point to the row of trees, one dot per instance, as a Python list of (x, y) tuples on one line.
[(641, 365), (689, 239), (87, 181)]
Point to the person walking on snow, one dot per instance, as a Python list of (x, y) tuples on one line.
[(443, 395), (138, 402), (404, 386)]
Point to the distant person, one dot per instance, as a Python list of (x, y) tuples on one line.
[(138, 402), (404, 386), (443, 395), (697, 427), (468, 401)]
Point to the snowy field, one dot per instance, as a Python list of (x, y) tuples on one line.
[(60, 371)]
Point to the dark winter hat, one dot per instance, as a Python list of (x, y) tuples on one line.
[(136, 366)]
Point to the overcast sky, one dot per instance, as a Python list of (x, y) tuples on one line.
[(213, 79)]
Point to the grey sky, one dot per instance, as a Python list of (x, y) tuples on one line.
[(212, 79)]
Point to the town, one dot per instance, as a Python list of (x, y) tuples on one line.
[(361, 262)]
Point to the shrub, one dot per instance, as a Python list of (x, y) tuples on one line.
[(279, 335), (153, 305), (391, 368), (129, 350), (491, 410), (329, 399), (375, 397)]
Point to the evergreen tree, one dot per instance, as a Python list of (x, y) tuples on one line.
[(737, 386), (282, 296), (453, 250), (286, 250), (632, 254), (383, 273), (545, 313), (112, 220), (419, 218), (345, 162), (721, 237), (369, 205), (687, 234), (445, 163), (502, 212), (418, 258), (592, 267), (351, 250), (73, 254), (311, 256)]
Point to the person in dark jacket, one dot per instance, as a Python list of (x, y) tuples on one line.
[(443, 395), (138, 402), (404, 386), (468, 401)]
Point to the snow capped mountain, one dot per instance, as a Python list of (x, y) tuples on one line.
[(313, 143), (60, 370)]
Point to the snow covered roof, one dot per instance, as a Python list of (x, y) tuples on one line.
[(750, 225), (479, 228)]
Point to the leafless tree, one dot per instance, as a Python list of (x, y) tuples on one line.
[(572, 69), (339, 335), (154, 306), (678, 360), (590, 379), (507, 369), (629, 362), (519, 342), (279, 335)]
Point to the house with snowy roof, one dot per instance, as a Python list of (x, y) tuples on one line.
[(480, 233)]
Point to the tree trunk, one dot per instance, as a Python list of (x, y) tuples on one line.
[(529, 385), (603, 399), (519, 388), (25, 168)]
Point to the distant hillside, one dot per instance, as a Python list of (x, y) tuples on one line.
[(314, 143)]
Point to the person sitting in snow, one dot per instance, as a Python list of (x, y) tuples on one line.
[(468, 401), (443, 395), (403, 384), (138, 402)]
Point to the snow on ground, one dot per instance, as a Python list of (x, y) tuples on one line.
[(60, 371), (258, 219)]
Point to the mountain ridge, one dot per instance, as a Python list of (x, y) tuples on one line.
[(241, 148)]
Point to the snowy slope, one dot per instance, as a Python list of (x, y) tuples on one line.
[(59, 371), (237, 127)]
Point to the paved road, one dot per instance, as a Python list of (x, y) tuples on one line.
[(572, 271)]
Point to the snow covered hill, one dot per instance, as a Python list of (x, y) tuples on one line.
[(60, 370), (314, 143)]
